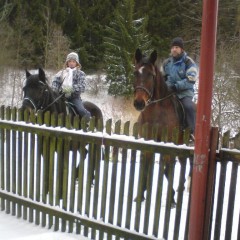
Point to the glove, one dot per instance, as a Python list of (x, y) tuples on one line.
[(67, 91), (173, 88)]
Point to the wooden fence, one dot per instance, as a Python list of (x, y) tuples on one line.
[(39, 181), (226, 201)]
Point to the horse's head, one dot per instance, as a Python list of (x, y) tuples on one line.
[(35, 91), (145, 79)]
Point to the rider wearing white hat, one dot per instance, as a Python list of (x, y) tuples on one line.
[(71, 81)]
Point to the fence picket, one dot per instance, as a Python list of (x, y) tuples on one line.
[(2, 137), (122, 179), (45, 178), (231, 197), (159, 193), (115, 152), (25, 164), (31, 165), (19, 163), (38, 166), (7, 158), (97, 162), (105, 176), (131, 180), (183, 162), (14, 157)]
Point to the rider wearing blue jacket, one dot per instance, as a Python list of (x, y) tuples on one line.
[(181, 73)]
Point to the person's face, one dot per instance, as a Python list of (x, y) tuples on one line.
[(72, 63), (176, 51)]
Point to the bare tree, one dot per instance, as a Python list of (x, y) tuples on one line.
[(226, 103)]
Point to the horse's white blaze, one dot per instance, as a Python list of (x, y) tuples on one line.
[(140, 70)]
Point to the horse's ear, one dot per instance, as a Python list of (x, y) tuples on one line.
[(153, 57), (28, 74), (138, 55), (41, 74)]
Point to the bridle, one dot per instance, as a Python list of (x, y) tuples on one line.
[(150, 92), (41, 106)]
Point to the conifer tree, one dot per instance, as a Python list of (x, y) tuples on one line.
[(124, 35)]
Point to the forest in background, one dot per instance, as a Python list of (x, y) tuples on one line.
[(41, 32), (106, 33)]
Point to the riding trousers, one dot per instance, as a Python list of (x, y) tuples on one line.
[(190, 112), (78, 104)]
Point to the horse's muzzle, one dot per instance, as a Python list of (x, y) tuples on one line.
[(139, 104), (27, 108)]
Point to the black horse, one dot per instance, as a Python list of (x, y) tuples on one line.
[(38, 95)]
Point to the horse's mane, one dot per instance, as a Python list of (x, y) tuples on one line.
[(161, 87)]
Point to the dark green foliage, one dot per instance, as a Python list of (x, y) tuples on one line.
[(124, 35), (41, 32)]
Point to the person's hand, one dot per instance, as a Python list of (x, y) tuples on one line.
[(173, 88), (67, 92)]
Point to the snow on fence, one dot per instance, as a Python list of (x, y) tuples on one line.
[(90, 181)]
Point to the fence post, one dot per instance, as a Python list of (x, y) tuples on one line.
[(202, 134), (210, 182)]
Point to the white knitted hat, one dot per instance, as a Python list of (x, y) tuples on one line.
[(73, 56)]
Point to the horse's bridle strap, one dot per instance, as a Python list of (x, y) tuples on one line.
[(145, 90), (31, 101)]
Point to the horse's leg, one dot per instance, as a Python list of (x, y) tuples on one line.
[(169, 173), (146, 161), (190, 173)]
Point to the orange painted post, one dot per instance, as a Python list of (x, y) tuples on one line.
[(202, 132)]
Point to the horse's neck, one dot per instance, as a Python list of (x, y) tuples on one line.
[(51, 101), (161, 88)]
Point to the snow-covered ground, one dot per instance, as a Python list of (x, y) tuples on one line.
[(18, 229)]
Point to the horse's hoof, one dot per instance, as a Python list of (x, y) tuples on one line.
[(173, 204), (136, 199), (189, 184), (180, 189)]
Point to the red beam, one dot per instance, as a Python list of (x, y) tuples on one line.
[(203, 117)]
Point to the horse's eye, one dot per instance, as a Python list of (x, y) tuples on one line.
[(136, 74)]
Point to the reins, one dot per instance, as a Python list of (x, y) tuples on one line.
[(159, 100), (50, 104), (41, 108)]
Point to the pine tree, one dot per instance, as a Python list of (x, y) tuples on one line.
[(124, 36)]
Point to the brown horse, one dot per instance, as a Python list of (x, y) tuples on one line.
[(158, 105)]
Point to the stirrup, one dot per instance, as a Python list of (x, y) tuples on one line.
[(192, 138)]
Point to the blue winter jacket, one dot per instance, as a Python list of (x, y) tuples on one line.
[(182, 73)]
